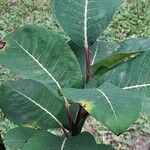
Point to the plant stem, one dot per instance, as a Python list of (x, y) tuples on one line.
[(64, 130), (84, 115), (78, 116), (2, 146), (81, 114), (76, 121), (87, 56), (69, 114), (2, 44)]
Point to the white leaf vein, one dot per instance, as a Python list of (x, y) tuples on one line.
[(45, 70), (113, 110), (137, 86), (38, 105), (85, 24), (63, 144)]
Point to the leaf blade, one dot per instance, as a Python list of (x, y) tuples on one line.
[(133, 76), (83, 19), (17, 137), (41, 60), (30, 104), (46, 140), (106, 100), (110, 55)]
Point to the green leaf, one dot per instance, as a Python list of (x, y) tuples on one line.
[(31, 104), (100, 50), (17, 137), (106, 55), (115, 108), (134, 76), (46, 141), (37, 53), (109, 55), (80, 54), (134, 45), (85, 20)]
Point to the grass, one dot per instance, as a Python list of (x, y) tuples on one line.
[(132, 20)]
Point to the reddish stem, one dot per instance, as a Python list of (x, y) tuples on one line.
[(2, 44), (84, 115), (76, 121), (78, 116), (87, 56), (64, 130), (69, 114)]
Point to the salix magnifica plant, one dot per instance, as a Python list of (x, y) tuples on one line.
[(62, 83)]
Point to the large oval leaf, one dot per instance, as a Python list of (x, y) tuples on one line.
[(47, 141), (31, 104), (37, 53), (85, 20), (115, 108)]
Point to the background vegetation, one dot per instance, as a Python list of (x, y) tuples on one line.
[(132, 20)]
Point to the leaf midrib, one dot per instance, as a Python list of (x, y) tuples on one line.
[(63, 144), (43, 68), (38, 105), (137, 86), (110, 104), (85, 24)]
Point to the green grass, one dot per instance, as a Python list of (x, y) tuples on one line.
[(132, 20)]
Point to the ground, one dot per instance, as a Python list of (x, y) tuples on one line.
[(132, 20)]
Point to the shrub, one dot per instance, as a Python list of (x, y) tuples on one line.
[(62, 83)]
